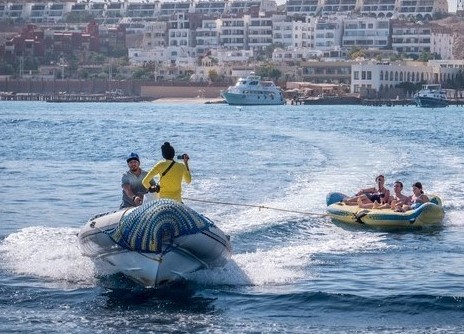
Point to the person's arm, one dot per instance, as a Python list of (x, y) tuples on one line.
[(363, 191), (187, 176), (128, 190), (146, 182)]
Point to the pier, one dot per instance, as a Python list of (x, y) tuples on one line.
[(64, 97)]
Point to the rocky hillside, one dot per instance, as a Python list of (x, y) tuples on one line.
[(456, 24)]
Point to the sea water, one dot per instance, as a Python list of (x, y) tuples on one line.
[(262, 174)]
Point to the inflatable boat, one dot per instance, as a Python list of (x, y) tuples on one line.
[(156, 243), (430, 213)]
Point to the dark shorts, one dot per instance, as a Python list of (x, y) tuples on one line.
[(374, 197)]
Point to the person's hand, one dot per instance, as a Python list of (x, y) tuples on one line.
[(185, 157), (138, 200)]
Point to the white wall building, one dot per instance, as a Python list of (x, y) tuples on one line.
[(207, 36), (366, 32), (378, 76), (234, 32), (328, 32), (415, 38), (225, 56), (293, 33), (378, 8), (154, 35), (260, 31), (295, 54)]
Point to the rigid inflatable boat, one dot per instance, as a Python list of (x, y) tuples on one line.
[(430, 213), (158, 242)]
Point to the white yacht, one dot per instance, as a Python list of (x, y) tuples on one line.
[(253, 91), (431, 96)]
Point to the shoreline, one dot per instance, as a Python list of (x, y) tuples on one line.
[(188, 100)]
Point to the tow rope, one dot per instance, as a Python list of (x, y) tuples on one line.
[(258, 206)]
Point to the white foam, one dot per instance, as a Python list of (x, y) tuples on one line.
[(289, 263), (49, 253)]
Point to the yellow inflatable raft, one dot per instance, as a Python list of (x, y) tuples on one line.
[(430, 213)]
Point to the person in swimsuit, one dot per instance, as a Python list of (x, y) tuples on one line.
[(417, 199), (398, 199), (378, 194)]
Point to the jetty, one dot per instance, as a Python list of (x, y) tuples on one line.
[(70, 97)]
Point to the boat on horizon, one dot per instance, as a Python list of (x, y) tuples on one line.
[(431, 96), (253, 91), (154, 244)]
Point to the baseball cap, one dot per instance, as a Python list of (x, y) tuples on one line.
[(133, 156)]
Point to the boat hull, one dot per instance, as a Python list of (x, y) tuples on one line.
[(173, 260), (427, 214), (429, 102), (239, 99)]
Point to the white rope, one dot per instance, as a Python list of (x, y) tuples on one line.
[(257, 206)]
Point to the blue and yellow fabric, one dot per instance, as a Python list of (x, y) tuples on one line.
[(144, 228)]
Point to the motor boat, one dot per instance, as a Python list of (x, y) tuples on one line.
[(254, 91), (427, 214), (159, 242), (431, 96)]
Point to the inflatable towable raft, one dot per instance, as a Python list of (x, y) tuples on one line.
[(430, 213), (156, 243)]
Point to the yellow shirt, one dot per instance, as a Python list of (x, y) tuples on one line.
[(171, 182)]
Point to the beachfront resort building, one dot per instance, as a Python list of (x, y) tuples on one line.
[(292, 33), (382, 76), (111, 11), (366, 32), (416, 38)]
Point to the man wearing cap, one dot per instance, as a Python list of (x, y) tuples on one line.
[(131, 182)]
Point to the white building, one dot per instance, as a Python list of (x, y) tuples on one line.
[(234, 32), (207, 36), (293, 33), (260, 31), (366, 32), (140, 57), (295, 54), (378, 8), (328, 32), (225, 56), (303, 7), (380, 76), (339, 6), (154, 35), (421, 9), (416, 38)]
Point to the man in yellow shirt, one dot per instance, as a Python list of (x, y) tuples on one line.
[(171, 174)]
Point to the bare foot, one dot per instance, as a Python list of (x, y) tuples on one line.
[(376, 205)]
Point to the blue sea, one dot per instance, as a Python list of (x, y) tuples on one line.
[(261, 174)]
